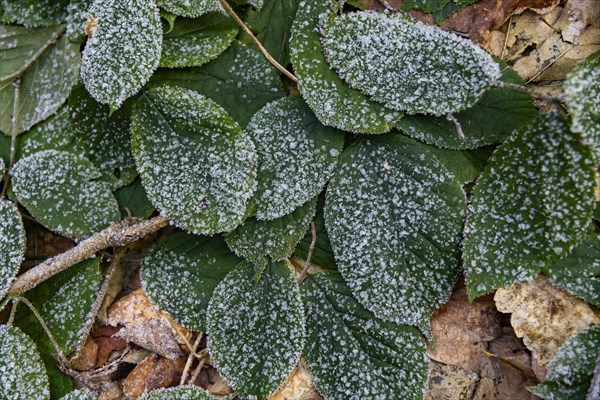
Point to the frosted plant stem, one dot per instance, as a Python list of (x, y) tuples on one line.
[(458, 126), (245, 28), (188, 364), (594, 390), (313, 231), (116, 235), (527, 89)]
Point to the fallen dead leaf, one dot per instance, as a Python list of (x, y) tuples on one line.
[(147, 326), (86, 359), (107, 343), (450, 382), (299, 386), (545, 317), (153, 373)]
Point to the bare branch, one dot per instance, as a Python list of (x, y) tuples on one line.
[(313, 231), (245, 28), (116, 235)]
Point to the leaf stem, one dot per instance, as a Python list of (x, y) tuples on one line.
[(245, 28), (311, 249), (116, 235)]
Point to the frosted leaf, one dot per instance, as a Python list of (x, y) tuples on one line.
[(133, 201), (43, 87), (181, 393), (579, 272), (196, 164), (193, 42), (55, 133), (2, 166), (394, 216), (465, 165), (296, 156), (80, 394), (23, 374), (33, 13), (20, 47), (351, 354), (77, 16), (123, 51), (406, 64), (333, 102), (191, 8), (441, 9), (59, 191), (12, 243), (257, 4), (105, 140), (180, 275), (322, 253), (582, 91), (495, 115), (272, 25), (240, 80), (256, 329), (256, 240), (531, 205), (570, 372)]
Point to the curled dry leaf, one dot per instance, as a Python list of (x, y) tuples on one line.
[(153, 373), (450, 382), (545, 317), (299, 386), (147, 326)]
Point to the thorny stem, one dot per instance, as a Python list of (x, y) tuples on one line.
[(245, 28), (191, 357), (116, 235), (311, 249)]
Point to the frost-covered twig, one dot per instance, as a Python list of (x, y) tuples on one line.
[(532, 90), (313, 231), (245, 28), (191, 357), (116, 235)]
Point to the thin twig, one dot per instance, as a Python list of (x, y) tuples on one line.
[(245, 28), (532, 90), (191, 357), (313, 231), (506, 37), (594, 392), (116, 235), (458, 126), (549, 64), (201, 362)]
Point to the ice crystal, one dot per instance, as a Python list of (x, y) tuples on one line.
[(55, 133), (351, 354), (123, 52), (33, 13), (256, 329), (181, 393), (57, 188), (196, 164), (531, 205), (333, 102), (191, 8), (80, 394), (296, 156), (395, 215), (12, 242), (406, 64)]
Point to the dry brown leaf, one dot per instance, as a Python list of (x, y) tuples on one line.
[(545, 317), (153, 373), (299, 386), (86, 359), (450, 382), (107, 343), (147, 326)]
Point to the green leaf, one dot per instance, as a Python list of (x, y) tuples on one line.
[(20, 47), (59, 191), (124, 51), (466, 165), (32, 13), (105, 140), (352, 354), (5, 142), (191, 8), (55, 133), (497, 113), (296, 156), (579, 272), (272, 26), (196, 164), (12, 243), (406, 64), (256, 240), (570, 372), (42, 88), (181, 393), (193, 42), (333, 102), (23, 374), (180, 275), (133, 201), (582, 90), (531, 205), (256, 329), (68, 303), (80, 394), (240, 80), (395, 217), (322, 253), (441, 9)]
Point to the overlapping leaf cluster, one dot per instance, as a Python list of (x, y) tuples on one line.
[(169, 109)]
